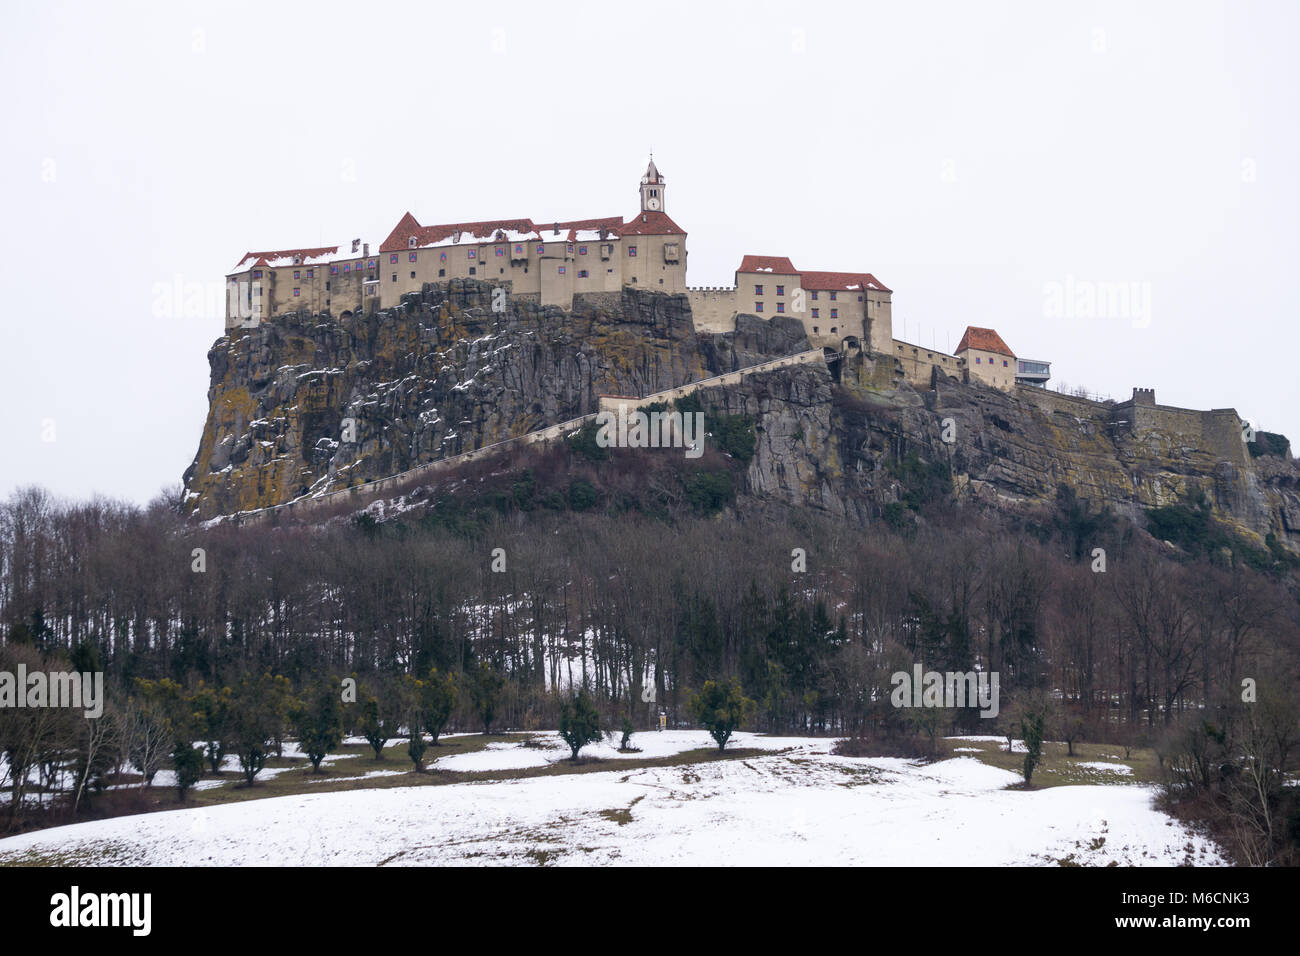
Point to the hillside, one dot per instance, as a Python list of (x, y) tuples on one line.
[(444, 374)]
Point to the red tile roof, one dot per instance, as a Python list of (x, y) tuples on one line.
[(778, 265), (651, 224), (251, 259), (408, 226), (829, 281), (985, 340), (841, 281)]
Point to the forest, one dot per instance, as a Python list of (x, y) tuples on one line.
[(538, 589)]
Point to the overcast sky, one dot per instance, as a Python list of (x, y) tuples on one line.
[(992, 163)]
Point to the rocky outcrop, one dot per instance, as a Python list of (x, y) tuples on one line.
[(831, 446), (307, 404)]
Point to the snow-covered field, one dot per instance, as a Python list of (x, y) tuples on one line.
[(799, 806)]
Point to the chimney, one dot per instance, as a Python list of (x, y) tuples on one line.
[(557, 229), (355, 244), (365, 249)]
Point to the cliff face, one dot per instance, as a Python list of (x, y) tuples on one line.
[(836, 447), (445, 374), (442, 375)]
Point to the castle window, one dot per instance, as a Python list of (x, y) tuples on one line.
[(816, 313), (442, 257), (441, 273), (758, 290), (859, 298), (631, 251), (411, 257), (412, 275), (582, 273), (977, 361), (758, 306), (473, 271), (347, 267), (327, 285), (411, 242), (780, 290), (1004, 363), (297, 274), (334, 270), (257, 273), (392, 259), (311, 273), (541, 249), (370, 264), (835, 313), (814, 296), (780, 307), (297, 292), (500, 252), (833, 330), (473, 253), (582, 250), (832, 296), (394, 279), (816, 330), (570, 249)]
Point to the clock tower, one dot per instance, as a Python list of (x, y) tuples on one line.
[(652, 189)]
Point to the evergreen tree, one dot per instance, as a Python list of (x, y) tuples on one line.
[(485, 693), (579, 721), (318, 721), (1031, 728), (437, 701), (721, 708), (188, 763), (374, 727)]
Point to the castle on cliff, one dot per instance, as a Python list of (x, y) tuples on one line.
[(552, 263)]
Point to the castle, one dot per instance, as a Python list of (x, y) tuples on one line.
[(552, 263)]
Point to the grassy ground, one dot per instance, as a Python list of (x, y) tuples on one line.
[(1057, 768)]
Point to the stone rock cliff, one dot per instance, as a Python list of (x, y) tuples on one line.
[(445, 374), (441, 375)]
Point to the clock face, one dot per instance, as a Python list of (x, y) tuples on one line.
[(652, 203)]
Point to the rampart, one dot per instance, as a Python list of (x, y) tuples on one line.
[(713, 308)]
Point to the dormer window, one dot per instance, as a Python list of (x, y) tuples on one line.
[(410, 243), (297, 260)]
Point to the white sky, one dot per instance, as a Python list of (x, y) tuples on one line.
[(968, 154)]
